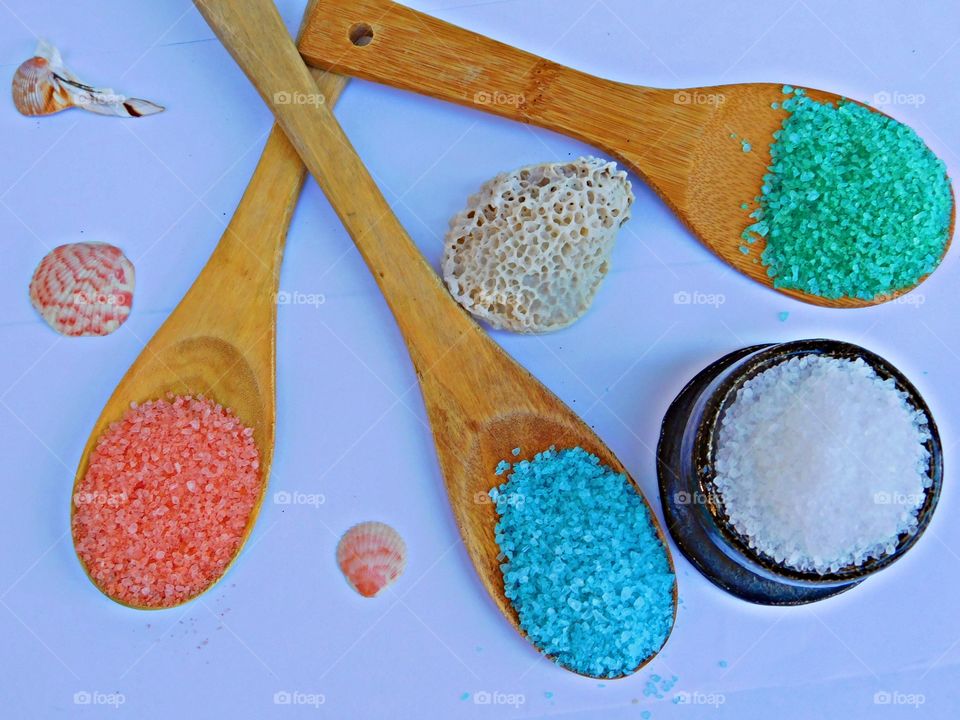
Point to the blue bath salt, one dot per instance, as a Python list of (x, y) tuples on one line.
[(582, 563), (465, 696), (645, 715), (656, 686), (722, 663), (516, 451)]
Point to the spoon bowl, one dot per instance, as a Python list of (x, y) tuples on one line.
[(678, 141)]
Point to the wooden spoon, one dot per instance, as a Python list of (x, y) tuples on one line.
[(220, 341), (678, 141), (481, 403)]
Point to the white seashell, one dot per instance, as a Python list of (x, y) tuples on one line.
[(371, 556), (43, 86), (83, 289), (530, 251)]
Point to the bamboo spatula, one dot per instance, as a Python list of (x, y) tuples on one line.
[(481, 403), (678, 141)]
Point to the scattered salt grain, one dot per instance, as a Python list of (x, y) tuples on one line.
[(822, 464), (151, 548), (583, 564)]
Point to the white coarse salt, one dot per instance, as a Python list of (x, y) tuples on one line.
[(822, 464)]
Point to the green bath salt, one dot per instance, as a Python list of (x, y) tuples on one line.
[(854, 204)]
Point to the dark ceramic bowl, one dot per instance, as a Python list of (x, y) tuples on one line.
[(694, 508)]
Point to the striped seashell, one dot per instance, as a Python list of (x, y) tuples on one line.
[(36, 89), (83, 289), (372, 556), (43, 86)]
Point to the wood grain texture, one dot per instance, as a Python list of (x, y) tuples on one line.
[(678, 141), (481, 403), (220, 341)]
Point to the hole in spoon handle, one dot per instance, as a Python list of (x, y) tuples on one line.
[(361, 34)]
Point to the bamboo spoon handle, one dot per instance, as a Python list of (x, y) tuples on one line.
[(255, 35), (254, 238), (385, 42), (252, 244), (270, 197)]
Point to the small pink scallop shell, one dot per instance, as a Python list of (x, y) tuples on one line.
[(371, 555), (83, 289)]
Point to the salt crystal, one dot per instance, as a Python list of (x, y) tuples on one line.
[(821, 464), (575, 597), (119, 542)]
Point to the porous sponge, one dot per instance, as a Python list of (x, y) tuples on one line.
[(529, 252)]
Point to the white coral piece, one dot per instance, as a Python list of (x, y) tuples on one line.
[(530, 251)]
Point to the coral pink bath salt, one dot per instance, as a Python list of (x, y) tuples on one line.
[(166, 500)]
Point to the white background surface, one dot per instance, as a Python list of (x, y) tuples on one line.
[(351, 424)]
